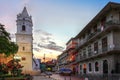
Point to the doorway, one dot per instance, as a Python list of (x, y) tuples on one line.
[(105, 67)]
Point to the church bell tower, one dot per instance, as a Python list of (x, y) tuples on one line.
[(24, 39)]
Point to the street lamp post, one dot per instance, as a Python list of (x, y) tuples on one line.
[(44, 58)]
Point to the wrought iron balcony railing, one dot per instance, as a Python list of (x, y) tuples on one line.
[(100, 52), (102, 29)]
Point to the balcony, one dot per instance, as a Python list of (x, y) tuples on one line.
[(101, 52), (77, 59), (113, 22), (90, 53), (73, 46), (91, 35), (110, 25)]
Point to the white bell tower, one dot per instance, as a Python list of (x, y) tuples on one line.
[(24, 39)]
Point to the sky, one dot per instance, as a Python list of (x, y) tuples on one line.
[(62, 19)]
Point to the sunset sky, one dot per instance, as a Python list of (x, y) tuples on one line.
[(56, 20)]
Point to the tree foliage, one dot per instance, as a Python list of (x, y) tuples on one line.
[(14, 67), (6, 45)]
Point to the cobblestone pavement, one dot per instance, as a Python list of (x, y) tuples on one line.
[(42, 78), (55, 77), (60, 77)]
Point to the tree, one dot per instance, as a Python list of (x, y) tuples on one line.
[(3, 32), (7, 47), (14, 67), (13, 47)]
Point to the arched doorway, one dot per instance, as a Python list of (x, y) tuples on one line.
[(74, 70), (105, 67), (84, 68)]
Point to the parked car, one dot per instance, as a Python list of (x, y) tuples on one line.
[(65, 71)]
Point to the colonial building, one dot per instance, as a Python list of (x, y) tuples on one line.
[(24, 39), (99, 42), (98, 49), (72, 52), (68, 58), (62, 60)]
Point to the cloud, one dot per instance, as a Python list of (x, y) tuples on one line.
[(43, 32), (53, 46), (42, 37), (46, 40), (49, 54)]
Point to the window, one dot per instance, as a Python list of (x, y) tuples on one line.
[(95, 28), (96, 47), (80, 55), (84, 68), (23, 58), (23, 28), (23, 18), (23, 48), (84, 53), (88, 32), (80, 67), (96, 66), (89, 50), (104, 44), (105, 66), (90, 67), (103, 20)]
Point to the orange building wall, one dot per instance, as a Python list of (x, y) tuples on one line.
[(4, 59)]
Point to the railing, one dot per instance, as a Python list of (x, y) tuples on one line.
[(113, 22), (77, 58), (107, 24), (90, 54), (100, 77), (99, 52)]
